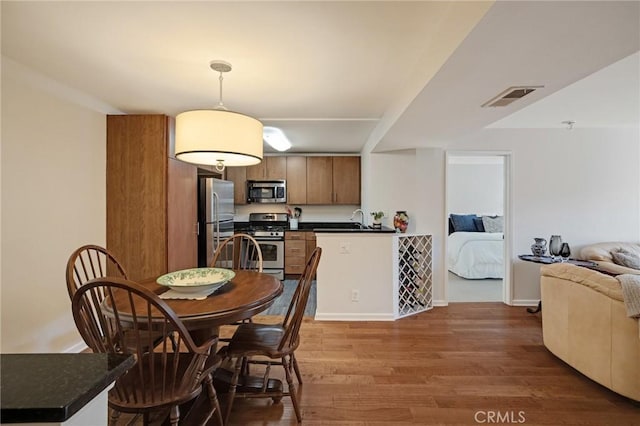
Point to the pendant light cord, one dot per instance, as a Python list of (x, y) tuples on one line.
[(220, 103)]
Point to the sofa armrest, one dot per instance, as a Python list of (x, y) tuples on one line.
[(614, 268), (595, 280)]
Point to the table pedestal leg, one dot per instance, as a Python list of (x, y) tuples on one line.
[(536, 310)]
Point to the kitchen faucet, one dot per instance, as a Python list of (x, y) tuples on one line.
[(361, 213)]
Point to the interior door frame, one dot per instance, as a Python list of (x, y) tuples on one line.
[(507, 283)]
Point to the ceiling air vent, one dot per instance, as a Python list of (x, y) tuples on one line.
[(510, 95)]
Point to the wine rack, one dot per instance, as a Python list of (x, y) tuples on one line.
[(414, 274)]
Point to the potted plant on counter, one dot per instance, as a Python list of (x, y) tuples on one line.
[(377, 219)]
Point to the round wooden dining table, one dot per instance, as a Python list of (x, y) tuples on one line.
[(244, 296)]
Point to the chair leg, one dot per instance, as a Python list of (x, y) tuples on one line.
[(213, 397), (292, 388), (294, 361), (237, 367), (113, 420), (175, 415)]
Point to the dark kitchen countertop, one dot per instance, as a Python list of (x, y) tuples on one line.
[(328, 229), (331, 227), (53, 387)]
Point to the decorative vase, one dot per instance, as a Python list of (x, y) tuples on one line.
[(401, 221), (555, 245), (565, 251), (539, 248)]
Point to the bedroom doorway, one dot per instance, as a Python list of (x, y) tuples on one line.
[(476, 246)]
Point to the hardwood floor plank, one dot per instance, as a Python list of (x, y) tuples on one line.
[(448, 366)]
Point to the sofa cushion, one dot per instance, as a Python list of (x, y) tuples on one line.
[(602, 251), (626, 258)]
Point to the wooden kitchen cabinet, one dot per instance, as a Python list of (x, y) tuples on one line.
[(151, 198), (238, 175), (270, 168), (298, 246), (294, 252), (346, 180), (319, 180), (297, 180), (333, 180), (310, 243)]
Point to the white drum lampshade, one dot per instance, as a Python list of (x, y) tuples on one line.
[(218, 137)]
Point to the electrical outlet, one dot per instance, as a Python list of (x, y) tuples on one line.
[(345, 248), (355, 295)]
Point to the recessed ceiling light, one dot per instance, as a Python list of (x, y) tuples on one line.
[(276, 138)]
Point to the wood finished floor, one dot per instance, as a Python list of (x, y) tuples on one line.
[(455, 365)]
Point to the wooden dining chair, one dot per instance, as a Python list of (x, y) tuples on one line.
[(89, 262), (272, 344), (240, 251), (92, 261), (105, 309)]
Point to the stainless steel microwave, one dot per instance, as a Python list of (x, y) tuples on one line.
[(266, 191)]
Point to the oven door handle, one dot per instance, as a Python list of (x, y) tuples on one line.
[(258, 239)]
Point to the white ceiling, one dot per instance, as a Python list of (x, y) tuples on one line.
[(333, 75)]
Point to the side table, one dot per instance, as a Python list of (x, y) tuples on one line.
[(547, 260)]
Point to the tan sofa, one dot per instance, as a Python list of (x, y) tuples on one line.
[(600, 253), (584, 323)]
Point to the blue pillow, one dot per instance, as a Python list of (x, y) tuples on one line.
[(463, 222), (479, 225)]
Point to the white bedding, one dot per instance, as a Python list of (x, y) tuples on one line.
[(476, 255)]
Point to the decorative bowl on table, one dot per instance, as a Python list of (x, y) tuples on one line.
[(196, 279)]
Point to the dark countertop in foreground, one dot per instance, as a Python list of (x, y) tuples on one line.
[(53, 387)]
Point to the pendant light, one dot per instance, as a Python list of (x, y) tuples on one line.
[(218, 136)]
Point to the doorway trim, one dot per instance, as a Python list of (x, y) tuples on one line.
[(507, 285)]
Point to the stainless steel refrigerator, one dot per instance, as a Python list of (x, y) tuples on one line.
[(215, 216)]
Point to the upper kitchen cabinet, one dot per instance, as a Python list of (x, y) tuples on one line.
[(270, 168), (238, 175), (333, 180), (346, 180), (151, 198), (296, 180), (319, 180)]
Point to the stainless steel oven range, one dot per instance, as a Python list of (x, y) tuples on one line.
[(268, 229)]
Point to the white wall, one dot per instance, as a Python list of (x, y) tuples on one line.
[(53, 200), (583, 184), (389, 184), (475, 185)]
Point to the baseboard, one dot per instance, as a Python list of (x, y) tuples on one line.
[(525, 302), (440, 303), (353, 317), (77, 348)]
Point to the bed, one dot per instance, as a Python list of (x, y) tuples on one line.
[(474, 252)]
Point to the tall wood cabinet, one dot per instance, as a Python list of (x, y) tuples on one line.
[(151, 198)]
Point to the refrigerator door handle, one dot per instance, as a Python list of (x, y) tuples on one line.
[(216, 201)]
